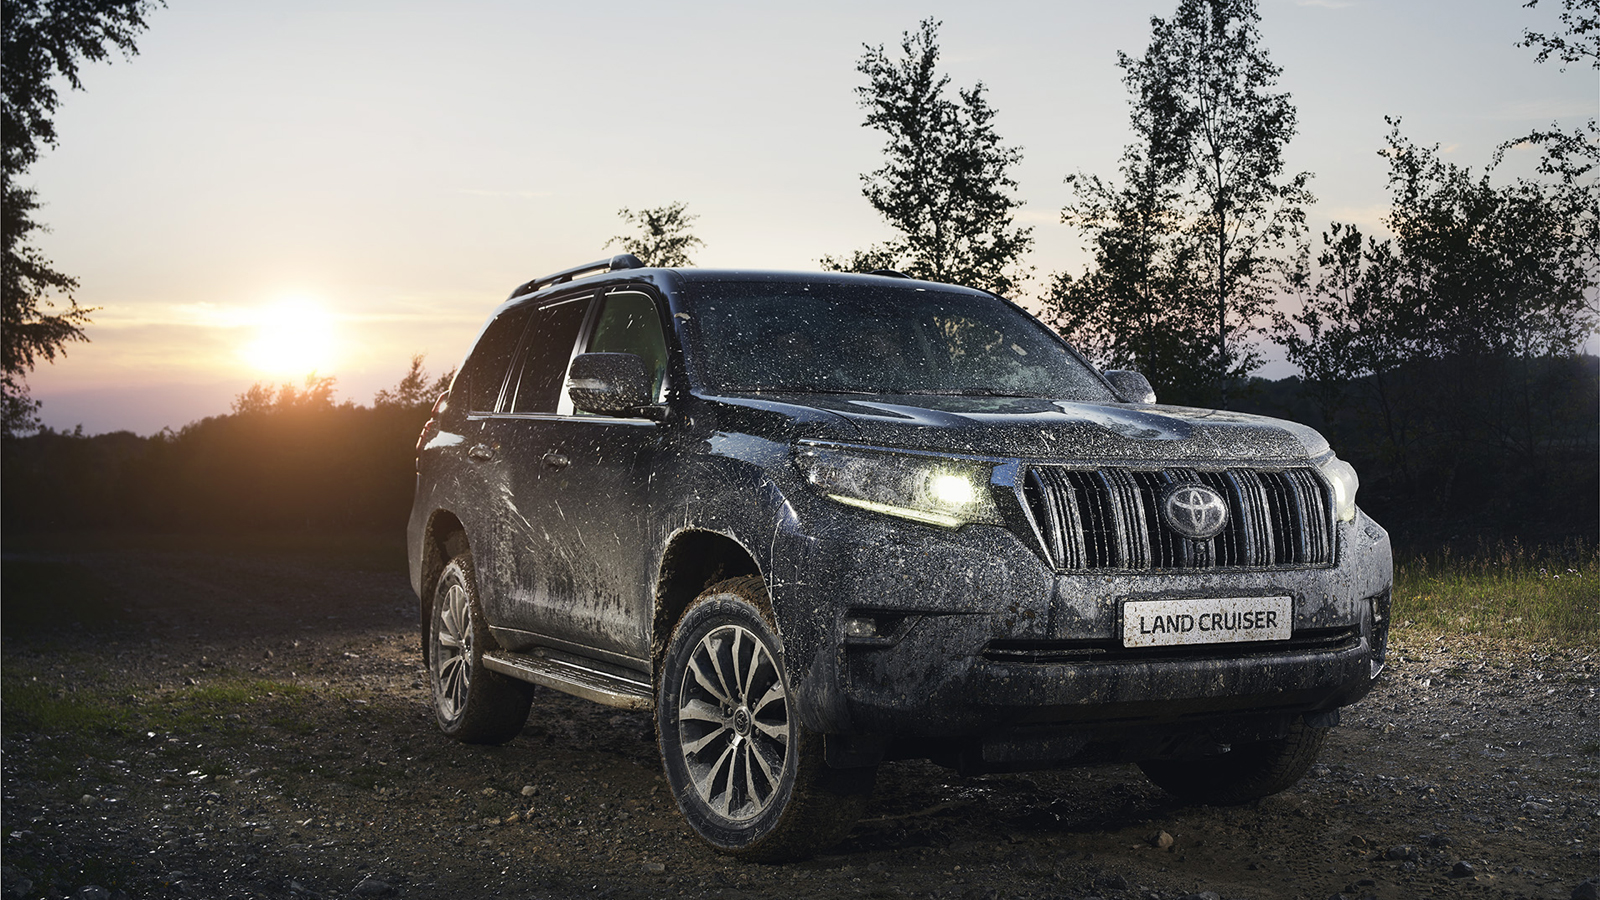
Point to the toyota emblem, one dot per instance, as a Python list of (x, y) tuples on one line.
[(1194, 511)]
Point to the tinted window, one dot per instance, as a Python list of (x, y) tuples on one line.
[(823, 338), (628, 323), (546, 353), (485, 370)]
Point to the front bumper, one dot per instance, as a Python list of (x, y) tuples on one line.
[(969, 633)]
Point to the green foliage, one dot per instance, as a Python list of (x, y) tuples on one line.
[(1444, 357), (286, 459), (1581, 20), (945, 185), (414, 390), (1186, 250), (662, 236), (1506, 591), (42, 44)]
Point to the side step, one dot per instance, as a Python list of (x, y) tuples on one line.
[(572, 677)]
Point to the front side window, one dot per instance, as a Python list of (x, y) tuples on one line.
[(873, 339), (628, 323)]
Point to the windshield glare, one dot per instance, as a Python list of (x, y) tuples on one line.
[(870, 339)]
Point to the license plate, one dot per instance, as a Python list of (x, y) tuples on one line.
[(1211, 620)]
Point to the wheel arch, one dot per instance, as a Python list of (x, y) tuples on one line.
[(694, 560), (444, 540)]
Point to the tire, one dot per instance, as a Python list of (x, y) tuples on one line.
[(747, 776), (1247, 772), (473, 704)]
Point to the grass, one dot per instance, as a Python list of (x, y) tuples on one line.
[(1507, 591)]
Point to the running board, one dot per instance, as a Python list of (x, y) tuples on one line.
[(573, 678)]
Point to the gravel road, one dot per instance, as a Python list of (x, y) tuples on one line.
[(234, 723)]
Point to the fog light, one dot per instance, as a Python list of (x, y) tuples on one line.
[(860, 627)]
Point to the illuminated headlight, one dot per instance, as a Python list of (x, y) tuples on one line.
[(1343, 478), (931, 489)]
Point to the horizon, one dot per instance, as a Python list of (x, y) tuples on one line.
[(248, 163)]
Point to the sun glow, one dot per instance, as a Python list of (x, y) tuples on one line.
[(292, 337)]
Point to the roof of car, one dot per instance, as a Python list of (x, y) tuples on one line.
[(672, 278)]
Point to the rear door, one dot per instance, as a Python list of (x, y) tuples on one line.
[(524, 572)]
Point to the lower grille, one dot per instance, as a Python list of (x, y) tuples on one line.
[(1046, 652), (1109, 518)]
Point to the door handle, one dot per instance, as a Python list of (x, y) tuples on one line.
[(554, 460), (481, 451)]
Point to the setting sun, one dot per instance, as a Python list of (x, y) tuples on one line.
[(292, 337)]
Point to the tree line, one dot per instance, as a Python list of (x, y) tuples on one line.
[(285, 458)]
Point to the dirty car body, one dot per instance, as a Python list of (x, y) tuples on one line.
[(943, 533)]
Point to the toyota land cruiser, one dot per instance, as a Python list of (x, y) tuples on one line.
[(815, 522)]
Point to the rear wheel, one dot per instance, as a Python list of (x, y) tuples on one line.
[(472, 703), (1247, 772), (748, 777)]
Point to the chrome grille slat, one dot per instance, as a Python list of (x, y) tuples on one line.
[(1109, 518)]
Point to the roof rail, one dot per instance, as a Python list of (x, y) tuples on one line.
[(620, 261)]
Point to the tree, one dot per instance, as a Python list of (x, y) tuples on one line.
[(1207, 196), (42, 41), (1458, 337), (414, 390), (945, 185), (1138, 306), (663, 237), (1581, 19)]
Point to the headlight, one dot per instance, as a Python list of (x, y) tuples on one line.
[(931, 489), (1343, 478)]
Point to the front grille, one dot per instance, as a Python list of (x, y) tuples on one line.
[(1110, 518)]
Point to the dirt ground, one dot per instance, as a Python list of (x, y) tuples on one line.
[(239, 720)]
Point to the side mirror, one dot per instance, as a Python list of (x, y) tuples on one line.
[(609, 383), (1131, 387)]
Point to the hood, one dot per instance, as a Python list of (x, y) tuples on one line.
[(1025, 427)]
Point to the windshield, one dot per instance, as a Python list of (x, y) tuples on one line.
[(872, 339)]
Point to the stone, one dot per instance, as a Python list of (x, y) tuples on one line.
[(1588, 889), (1462, 869), (1160, 840), (371, 886), (529, 790), (653, 868)]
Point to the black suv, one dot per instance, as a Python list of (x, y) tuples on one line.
[(818, 521)]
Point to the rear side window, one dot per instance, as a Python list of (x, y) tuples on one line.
[(545, 355), (484, 372)]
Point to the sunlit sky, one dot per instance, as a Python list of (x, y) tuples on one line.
[(386, 172)]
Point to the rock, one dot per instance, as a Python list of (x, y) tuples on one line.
[(1160, 840), (1111, 883), (1203, 895), (373, 887), (1588, 889), (653, 868), (529, 790), (1462, 869), (1401, 852)]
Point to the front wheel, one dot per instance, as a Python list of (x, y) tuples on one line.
[(1246, 772), (472, 703), (748, 777)]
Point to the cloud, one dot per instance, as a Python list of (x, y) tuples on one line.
[(1326, 4)]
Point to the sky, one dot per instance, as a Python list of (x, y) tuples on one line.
[(267, 189)]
